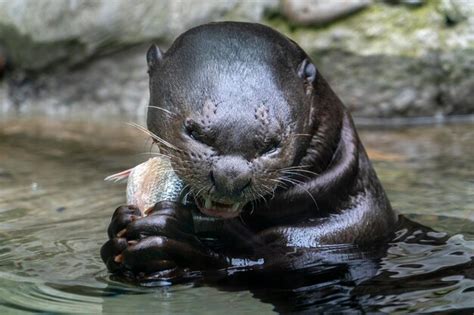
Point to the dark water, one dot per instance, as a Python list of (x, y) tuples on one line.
[(54, 209)]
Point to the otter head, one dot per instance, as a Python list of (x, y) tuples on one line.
[(232, 104)]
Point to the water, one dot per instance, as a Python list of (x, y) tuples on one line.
[(54, 209)]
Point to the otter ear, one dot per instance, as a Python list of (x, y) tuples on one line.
[(307, 71), (153, 57)]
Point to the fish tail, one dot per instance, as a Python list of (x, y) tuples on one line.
[(119, 176)]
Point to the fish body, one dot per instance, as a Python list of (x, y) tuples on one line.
[(151, 182)]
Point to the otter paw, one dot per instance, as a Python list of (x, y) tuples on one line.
[(163, 240), (121, 218), (169, 219), (157, 253), (110, 251)]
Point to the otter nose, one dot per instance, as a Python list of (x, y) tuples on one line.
[(230, 176)]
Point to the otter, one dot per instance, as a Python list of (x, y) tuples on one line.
[(267, 149)]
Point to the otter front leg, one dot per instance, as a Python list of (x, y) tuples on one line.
[(351, 226), (163, 240)]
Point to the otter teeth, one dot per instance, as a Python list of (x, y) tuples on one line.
[(208, 203)]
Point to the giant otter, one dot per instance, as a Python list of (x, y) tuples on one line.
[(265, 147)]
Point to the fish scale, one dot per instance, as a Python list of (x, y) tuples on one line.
[(151, 182)]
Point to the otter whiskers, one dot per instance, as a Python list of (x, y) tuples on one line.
[(164, 110), (154, 136)]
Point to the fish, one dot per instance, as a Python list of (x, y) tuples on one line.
[(151, 182), (155, 180)]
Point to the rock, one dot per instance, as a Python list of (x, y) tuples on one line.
[(3, 61), (391, 61), (38, 34), (457, 57), (109, 86), (456, 11), (385, 61), (318, 12), (380, 85), (413, 3), (457, 83)]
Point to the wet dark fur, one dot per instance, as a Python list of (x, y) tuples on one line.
[(245, 119)]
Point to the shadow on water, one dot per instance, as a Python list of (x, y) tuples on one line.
[(54, 209)]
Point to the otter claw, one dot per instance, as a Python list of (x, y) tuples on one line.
[(134, 217), (147, 211), (121, 233), (118, 259)]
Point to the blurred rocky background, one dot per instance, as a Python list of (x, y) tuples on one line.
[(385, 59)]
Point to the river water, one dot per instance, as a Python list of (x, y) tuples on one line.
[(55, 207)]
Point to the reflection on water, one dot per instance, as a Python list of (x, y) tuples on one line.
[(54, 209)]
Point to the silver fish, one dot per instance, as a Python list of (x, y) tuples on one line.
[(150, 182)]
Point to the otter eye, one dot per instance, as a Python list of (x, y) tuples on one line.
[(271, 148), (192, 130), (193, 134)]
